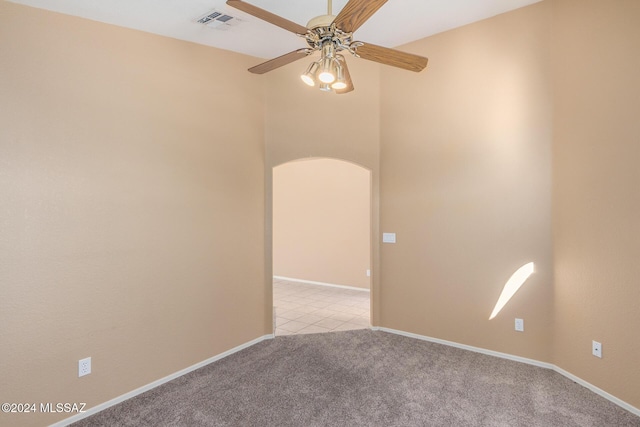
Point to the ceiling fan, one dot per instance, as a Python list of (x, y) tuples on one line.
[(331, 35)]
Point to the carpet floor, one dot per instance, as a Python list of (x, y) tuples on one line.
[(364, 378)]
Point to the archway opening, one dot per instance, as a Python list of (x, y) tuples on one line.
[(321, 246)]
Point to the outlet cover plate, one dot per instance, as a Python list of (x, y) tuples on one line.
[(520, 325), (84, 367), (596, 349)]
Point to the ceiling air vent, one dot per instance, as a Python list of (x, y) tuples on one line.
[(216, 19), (208, 17)]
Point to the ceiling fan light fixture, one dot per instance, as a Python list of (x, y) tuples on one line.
[(331, 35), (308, 80), (326, 77), (309, 76), (327, 67), (327, 74), (340, 82)]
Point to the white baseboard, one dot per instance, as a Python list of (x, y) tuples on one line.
[(533, 362), (471, 348), (599, 391), (129, 395), (311, 282)]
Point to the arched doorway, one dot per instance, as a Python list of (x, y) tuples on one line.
[(321, 246)]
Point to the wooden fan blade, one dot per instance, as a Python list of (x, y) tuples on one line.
[(268, 16), (347, 77), (392, 57), (355, 13), (280, 61)]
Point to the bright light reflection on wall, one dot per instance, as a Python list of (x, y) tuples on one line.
[(513, 284)]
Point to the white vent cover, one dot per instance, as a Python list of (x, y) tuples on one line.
[(215, 18)]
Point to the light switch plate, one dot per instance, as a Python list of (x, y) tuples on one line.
[(388, 237)]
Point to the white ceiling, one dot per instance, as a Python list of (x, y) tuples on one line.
[(396, 23)]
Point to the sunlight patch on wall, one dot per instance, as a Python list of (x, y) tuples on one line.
[(513, 284)]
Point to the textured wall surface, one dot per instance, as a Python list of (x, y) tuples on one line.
[(131, 208), (597, 192), (465, 184)]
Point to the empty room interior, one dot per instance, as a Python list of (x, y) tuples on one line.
[(141, 223)]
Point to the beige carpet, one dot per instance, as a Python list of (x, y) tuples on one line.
[(365, 378)]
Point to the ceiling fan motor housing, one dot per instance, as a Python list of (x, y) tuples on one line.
[(320, 21), (321, 30)]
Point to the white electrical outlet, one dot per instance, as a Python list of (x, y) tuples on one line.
[(520, 325), (596, 349), (368, 273), (84, 367)]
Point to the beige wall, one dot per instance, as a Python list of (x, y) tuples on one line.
[(322, 221), (466, 161), (465, 184), (131, 228), (303, 122), (596, 192)]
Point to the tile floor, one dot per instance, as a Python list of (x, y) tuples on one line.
[(303, 308)]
